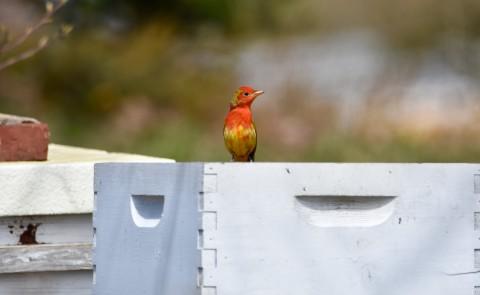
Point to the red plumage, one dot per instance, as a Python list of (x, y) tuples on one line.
[(239, 131)]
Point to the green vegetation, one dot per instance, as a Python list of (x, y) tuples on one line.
[(156, 77)]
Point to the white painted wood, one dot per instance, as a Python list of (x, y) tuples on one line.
[(52, 229), (337, 210), (67, 248), (61, 185), (37, 258), (145, 259), (290, 228), (146, 210), (57, 195), (47, 283), (417, 238)]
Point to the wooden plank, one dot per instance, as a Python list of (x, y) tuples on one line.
[(77, 282), (36, 258), (51, 229)]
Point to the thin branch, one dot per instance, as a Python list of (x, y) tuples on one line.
[(24, 55), (46, 19)]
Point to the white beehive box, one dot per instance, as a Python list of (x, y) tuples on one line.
[(46, 221), (287, 228)]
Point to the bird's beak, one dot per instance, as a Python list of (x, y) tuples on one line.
[(257, 93)]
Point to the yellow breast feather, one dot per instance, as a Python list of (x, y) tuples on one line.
[(240, 141)]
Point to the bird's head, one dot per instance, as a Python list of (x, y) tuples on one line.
[(244, 96)]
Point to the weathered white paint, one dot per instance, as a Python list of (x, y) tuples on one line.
[(58, 195), (51, 229), (61, 185), (66, 248), (47, 283), (290, 228), (48, 257)]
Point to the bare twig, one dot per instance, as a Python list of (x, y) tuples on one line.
[(24, 55), (6, 45), (46, 19)]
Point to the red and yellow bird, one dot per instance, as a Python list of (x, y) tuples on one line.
[(239, 130)]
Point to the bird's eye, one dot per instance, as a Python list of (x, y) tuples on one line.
[(245, 93)]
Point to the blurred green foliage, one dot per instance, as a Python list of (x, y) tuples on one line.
[(155, 77), (407, 23)]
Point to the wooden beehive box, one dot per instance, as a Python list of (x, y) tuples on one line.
[(287, 228), (46, 221)]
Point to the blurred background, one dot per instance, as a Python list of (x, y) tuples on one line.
[(344, 80)]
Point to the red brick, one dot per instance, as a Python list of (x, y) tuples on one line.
[(24, 141)]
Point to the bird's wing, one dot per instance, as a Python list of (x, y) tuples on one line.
[(251, 156)]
